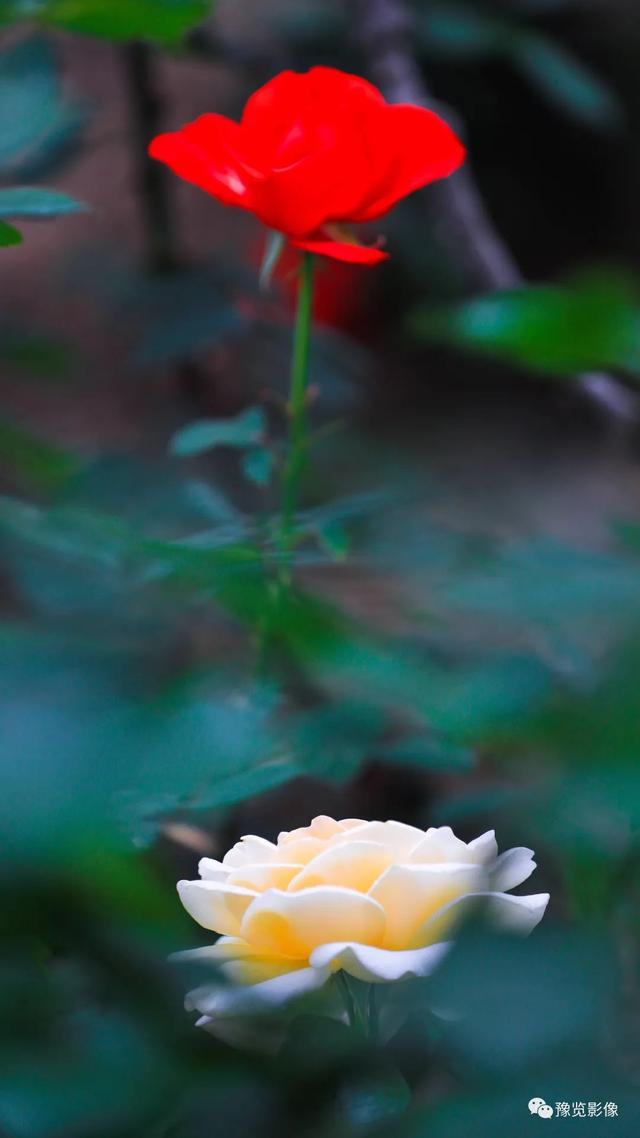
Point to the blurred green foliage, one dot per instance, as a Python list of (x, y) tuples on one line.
[(9, 235), (592, 321), (38, 121), (462, 32), (160, 694), (245, 430), (36, 124), (28, 201), (32, 460), (162, 21)]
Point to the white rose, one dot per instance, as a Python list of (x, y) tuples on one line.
[(376, 899)]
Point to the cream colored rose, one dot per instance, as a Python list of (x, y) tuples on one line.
[(377, 899)]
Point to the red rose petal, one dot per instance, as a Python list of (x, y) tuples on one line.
[(414, 147), (313, 150), (351, 252), (208, 153)]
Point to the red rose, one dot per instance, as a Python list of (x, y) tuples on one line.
[(315, 152)]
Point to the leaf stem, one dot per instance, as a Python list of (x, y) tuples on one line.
[(372, 1012), (297, 445), (295, 458), (348, 998)]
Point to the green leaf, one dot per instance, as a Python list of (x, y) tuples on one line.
[(565, 81), (429, 752), (34, 461), (162, 21), (592, 322), (459, 32), (333, 741), (545, 582), (211, 503), (34, 354), (333, 537), (9, 235), (244, 430), (481, 698), (510, 1001), (272, 253), (258, 466), (37, 121), (76, 559), (36, 202)]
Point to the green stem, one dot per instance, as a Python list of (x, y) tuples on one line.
[(297, 407), (295, 458), (348, 998), (372, 1012)]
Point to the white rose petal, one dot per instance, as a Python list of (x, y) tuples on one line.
[(261, 877), (215, 905), (396, 836), (293, 924), (212, 870), (225, 948), (301, 850), (321, 827), (215, 1000), (437, 845), (378, 965), (512, 868), (515, 914), (485, 848), (410, 894), (248, 850), (354, 864)]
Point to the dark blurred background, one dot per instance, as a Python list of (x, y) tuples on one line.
[(462, 642)]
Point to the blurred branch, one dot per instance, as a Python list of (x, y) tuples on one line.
[(161, 252), (463, 224), (146, 108)]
